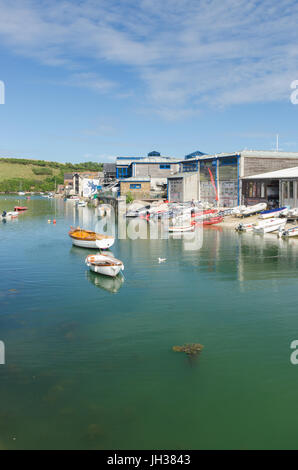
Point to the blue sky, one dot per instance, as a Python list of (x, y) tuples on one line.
[(90, 80)]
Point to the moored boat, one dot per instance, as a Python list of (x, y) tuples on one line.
[(89, 239), (104, 264), (268, 226), (20, 208), (213, 220), (9, 215), (289, 233), (82, 204), (273, 213), (244, 227), (182, 228), (250, 210)]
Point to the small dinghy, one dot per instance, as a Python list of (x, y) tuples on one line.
[(182, 228), (9, 215), (268, 226), (250, 210), (213, 220), (289, 233), (273, 213), (244, 228), (293, 213), (82, 204), (104, 264), (20, 208), (88, 239)]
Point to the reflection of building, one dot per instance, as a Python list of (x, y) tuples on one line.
[(222, 174), (276, 187)]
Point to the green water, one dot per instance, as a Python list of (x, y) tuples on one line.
[(89, 361)]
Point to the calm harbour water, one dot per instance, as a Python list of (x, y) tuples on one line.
[(89, 361)]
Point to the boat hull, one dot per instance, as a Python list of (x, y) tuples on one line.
[(272, 227), (273, 213), (103, 244), (189, 228), (292, 232), (111, 271)]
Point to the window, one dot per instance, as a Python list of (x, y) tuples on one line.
[(135, 186), (291, 189), (165, 167), (285, 190)]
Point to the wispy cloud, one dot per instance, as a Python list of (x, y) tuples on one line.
[(186, 54)]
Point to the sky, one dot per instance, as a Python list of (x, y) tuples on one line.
[(95, 79)]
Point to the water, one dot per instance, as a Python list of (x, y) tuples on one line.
[(89, 361)]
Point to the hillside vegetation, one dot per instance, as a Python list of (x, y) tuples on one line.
[(37, 175)]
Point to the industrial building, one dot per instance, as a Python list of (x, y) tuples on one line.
[(209, 178), (155, 167)]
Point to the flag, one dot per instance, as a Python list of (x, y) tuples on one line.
[(213, 184)]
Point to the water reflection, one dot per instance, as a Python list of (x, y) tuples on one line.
[(266, 257), (104, 282)]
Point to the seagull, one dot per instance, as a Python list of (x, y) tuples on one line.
[(161, 260)]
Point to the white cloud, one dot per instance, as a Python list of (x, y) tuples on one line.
[(186, 54)]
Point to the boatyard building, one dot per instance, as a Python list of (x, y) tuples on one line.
[(219, 178)]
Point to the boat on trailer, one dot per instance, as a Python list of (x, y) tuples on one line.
[(89, 239), (270, 225), (104, 264), (281, 211)]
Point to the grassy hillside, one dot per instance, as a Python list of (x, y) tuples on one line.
[(37, 175)]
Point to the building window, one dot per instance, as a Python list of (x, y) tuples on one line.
[(165, 167), (135, 186)]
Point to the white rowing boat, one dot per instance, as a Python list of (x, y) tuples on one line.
[(104, 264)]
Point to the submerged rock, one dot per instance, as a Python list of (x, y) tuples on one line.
[(190, 349)]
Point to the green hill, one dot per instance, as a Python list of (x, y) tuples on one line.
[(37, 175)]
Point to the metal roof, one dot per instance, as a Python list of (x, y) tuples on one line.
[(129, 160), (279, 174), (183, 175), (141, 179)]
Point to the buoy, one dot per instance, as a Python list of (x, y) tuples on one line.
[(54, 221), (49, 221)]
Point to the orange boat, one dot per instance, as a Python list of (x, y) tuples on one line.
[(20, 208), (88, 239)]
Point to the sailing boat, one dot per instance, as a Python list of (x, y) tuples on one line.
[(21, 193)]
